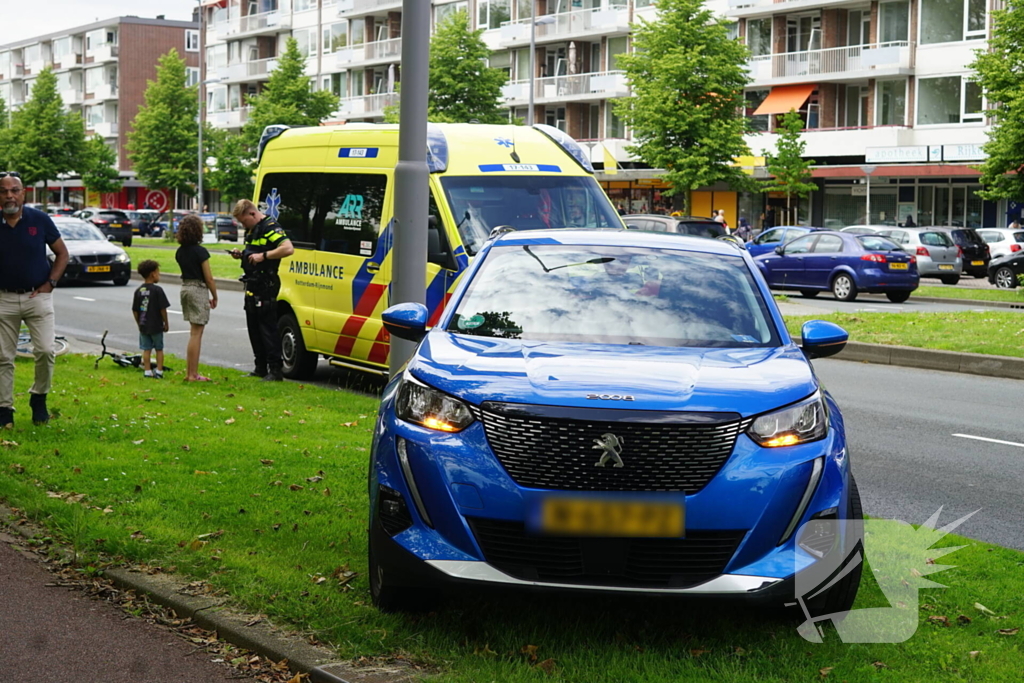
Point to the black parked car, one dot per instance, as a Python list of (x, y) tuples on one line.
[(976, 252), (226, 227), (681, 225), (1004, 271), (111, 222), (142, 222)]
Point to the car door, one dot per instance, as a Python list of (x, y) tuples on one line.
[(826, 254), (766, 241), (787, 269)]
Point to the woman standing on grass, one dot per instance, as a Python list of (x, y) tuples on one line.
[(198, 290)]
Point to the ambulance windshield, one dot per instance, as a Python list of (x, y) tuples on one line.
[(480, 204)]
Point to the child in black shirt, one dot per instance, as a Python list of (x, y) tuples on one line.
[(150, 308)]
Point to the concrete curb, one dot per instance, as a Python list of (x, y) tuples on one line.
[(1004, 367), (981, 303)]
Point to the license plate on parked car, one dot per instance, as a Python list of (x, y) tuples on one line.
[(115, 225), (97, 269), (977, 263), (945, 266), (897, 266), (586, 516)]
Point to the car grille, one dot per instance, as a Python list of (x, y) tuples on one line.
[(96, 259), (556, 448), (623, 562)]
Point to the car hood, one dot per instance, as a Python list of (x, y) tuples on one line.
[(745, 381), (80, 247)]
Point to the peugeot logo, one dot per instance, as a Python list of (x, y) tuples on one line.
[(610, 397), (611, 449)]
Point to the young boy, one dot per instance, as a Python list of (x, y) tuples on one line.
[(150, 309)]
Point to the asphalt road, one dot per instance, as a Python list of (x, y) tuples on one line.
[(825, 303)]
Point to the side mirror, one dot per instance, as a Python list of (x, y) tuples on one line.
[(631, 226), (780, 250), (437, 247), (821, 339), (111, 238), (406, 321)]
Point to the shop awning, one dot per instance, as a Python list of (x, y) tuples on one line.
[(785, 97)]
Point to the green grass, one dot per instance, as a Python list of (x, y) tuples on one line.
[(1012, 295), (220, 482), (221, 265)]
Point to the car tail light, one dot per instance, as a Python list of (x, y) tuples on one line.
[(922, 251), (876, 258), (1014, 247), (988, 250), (100, 221), (913, 259), (959, 252)]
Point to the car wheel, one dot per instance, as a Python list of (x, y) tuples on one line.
[(809, 293), (127, 241), (298, 362), (897, 297), (950, 279), (389, 597), (1005, 278), (843, 288), (121, 281)]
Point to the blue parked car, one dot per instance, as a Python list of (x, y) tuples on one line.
[(843, 262), (609, 410), (773, 237)]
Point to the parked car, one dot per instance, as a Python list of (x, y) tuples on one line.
[(937, 255), (224, 226), (168, 220), (863, 229), (680, 225), (142, 221), (551, 435), (773, 237), (976, 253), (1004, 272), (1002, 241), (61, 211), (91, 256), (113, 223), (843, 262)]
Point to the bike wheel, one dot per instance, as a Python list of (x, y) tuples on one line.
[(60, 346)]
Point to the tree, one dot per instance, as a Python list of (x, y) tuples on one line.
[(462, 87), (100, 173), (163, 143), (233, 172), (685, 111), (792, 173), (5, 124), (45, 141), (1000, 72)]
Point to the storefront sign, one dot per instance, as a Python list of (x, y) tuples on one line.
[(859, 190), (883, 155), (963, 153)]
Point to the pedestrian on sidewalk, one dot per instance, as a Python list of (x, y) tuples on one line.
[(265, 246), (198, 290), (27, 280), (150, 309)]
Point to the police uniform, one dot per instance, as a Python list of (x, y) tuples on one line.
[(262, 284)]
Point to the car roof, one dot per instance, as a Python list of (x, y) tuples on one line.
[(616, 237), (688, 219)]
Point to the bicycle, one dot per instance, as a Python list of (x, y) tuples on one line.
[(24, 349), (125, 360)]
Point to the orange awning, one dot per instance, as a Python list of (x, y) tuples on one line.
[(785, 97)]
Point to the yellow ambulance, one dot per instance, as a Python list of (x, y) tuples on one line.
[(332, 190)]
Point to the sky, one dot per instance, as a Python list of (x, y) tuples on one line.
[(50, 16)]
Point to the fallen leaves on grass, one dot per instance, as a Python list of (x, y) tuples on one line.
[(547, 666), (936, 619), (16, 468), (879, 665), (9, 444), (296, 487), (229, 421), (825, 671), (1008, 631), (984, 610), (264, 461)]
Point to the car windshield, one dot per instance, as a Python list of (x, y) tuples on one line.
[(615, 295), (112, 216), (79, 231), (480, 204), (701, 229), (877, 243)]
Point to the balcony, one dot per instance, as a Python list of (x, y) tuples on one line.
[(588, 23), (833, 142), (380, 51), (15, 71), (35, 67), (105, 129), (832, 64), (755, 8), (107, 91), (102, 53), (366, 106), (73, 96), (572, 88), (258, 70), (253, 25), (228, 118), (68, 61), (353, 7)]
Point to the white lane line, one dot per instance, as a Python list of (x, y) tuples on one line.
[(171, 310), (178, 332), (84, 298), (982, 438)]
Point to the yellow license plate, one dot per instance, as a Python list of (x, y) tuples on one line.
[(977, 263), (945, 266), (593, 517), (97, 269), (897, 266)]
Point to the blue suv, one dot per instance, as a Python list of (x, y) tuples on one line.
[(608, 410)]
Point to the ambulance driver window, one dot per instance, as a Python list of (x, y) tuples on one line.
[(356, 203), (293, 199)]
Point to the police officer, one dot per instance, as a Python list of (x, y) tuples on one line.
[(265, 246)]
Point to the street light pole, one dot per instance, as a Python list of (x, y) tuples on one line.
[(199, 97), (533, 56), (868, 170)]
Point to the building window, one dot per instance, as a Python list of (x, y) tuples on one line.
[(492, 13), (306, 38), (753, 99), (303, 5), (616, 46), (335, 37), (358, 32), (191, 76), (442, 12), (892, 103), (949, 99), (759, 37), (613, 126), (894, 18), (856, 106), (191, 41), (950, 21)]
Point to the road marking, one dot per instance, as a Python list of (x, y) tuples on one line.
[(178, 332), (869, 309), (84, 298), (171, 310), (982, 438)]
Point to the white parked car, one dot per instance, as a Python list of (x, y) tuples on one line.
[(1002, 241)]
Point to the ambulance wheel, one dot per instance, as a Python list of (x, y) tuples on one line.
[(298, 362)]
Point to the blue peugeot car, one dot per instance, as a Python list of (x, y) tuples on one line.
[(609, 410), (843, 263)]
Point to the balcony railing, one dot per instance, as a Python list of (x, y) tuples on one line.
[(106, 91), (228, 118), (38, 65), (570, 87), (567, 25), (379, 51), (366, 106), (744, 8), (103, 53), (258, 69), (68, 61), (835, 62), (73, 96), (347, 7), (105, 129), (253, 24), (13, 71)]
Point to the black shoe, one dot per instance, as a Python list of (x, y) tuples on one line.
[(6, 418), (274, 376), (40, 415), (258, 372)]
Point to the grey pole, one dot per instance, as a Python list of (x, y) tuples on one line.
[(868, 170), (199, 97), (409, 253), (533, 55)]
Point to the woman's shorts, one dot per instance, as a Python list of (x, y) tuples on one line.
[(195, 302)]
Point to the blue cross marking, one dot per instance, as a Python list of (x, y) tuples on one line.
[(504, 142), (273, 202)]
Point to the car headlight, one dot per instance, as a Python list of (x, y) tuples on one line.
[(428, 407), (72, 259), (121, 258), (800, 423)]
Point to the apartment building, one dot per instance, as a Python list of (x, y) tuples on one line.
[(101, 70), (882, 85)]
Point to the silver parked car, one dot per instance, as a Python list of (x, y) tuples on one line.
[(937, 255)]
